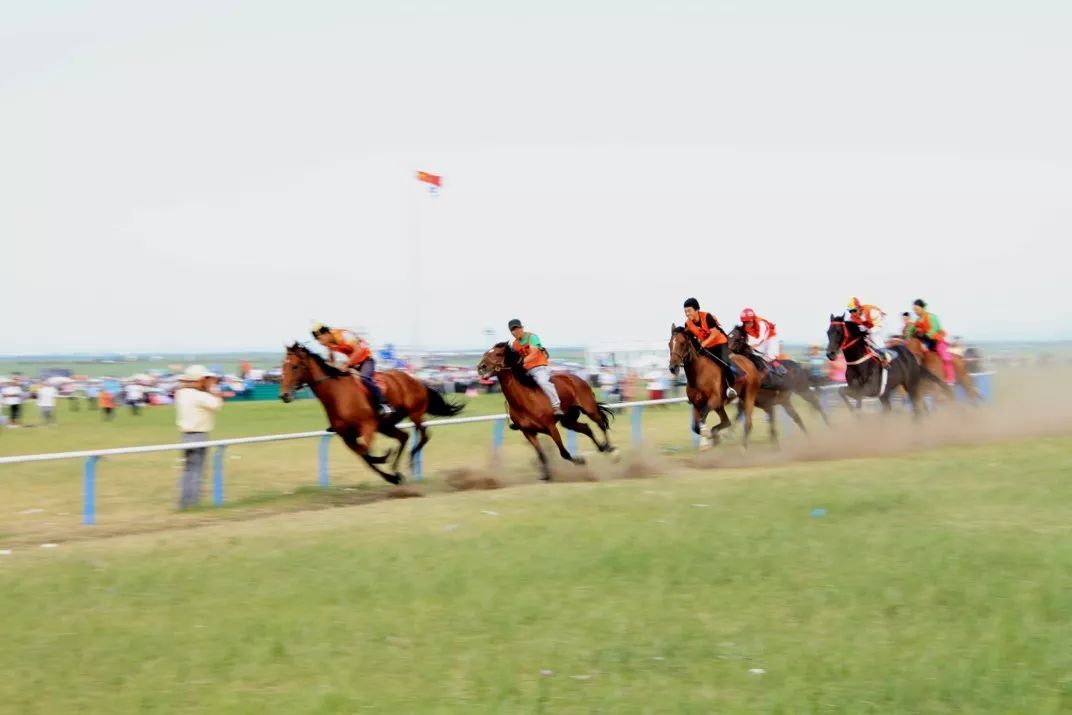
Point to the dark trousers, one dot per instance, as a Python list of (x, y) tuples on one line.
[(367, 370)]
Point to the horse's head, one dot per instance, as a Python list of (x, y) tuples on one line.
[(737, 341), (840, 335), (680, 348), (295, 371), (495, 360)]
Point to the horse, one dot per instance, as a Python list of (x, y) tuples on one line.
[(704, 391), (795, 381), (350, 412), (530, 410), (932, 362), (865, 373)]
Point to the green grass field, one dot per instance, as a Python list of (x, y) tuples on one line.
[(935, 581)]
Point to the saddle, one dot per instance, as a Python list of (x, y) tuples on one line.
[(378, 377)]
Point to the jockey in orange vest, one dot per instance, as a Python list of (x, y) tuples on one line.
[(929, 330), (534, 360), (704, 328), (763, 338), (350, 352)]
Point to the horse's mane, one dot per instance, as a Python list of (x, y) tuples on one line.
[(324, 365), (514, 363)]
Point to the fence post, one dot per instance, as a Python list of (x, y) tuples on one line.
[(571, 442), (89, 491), (418, 459), (217, 477), (636, 423), (982, 384), (322, 450), (497, 434), (692, 428)]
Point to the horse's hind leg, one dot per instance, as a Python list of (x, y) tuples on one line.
[(556, 436), (571, 422), (794, 415), (390, 430), (812, 399), (423, 435), (361, 450), (545, 472)]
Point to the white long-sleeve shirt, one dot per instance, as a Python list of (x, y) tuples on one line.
[(195, 410)]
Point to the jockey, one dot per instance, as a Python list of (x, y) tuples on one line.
[(534, 360), (908, 327), (350, 352), (869, 318), (763, 339), (929, 330), (712, 338)]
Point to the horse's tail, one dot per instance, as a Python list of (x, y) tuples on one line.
[(605, 414), (439, 406)]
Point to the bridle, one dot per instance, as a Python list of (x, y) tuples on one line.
[(847, 342), (687, 348), (305, 372)]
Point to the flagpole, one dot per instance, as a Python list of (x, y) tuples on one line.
[(417, 281)]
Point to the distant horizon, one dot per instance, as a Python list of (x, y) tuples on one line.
[(637, 345)]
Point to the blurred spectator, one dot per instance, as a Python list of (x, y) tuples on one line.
[(107, 404), (608, 382), (655, 385), (92, 393), (836, 370), (629, 387), (135, 395), (13, 396), (817, 365), (195, 415), (46, 403)]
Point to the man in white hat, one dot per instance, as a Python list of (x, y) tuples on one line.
[(195, 414)]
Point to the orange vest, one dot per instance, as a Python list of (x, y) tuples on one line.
[(347, 343), (530, 357), (703, 333), (754, 330)]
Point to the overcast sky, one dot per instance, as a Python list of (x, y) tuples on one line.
[(207, 175)]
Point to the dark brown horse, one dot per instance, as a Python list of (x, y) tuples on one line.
[(350, 412), (795, 381), (932, 362), (530, 410), (704, 390), (867, 375)]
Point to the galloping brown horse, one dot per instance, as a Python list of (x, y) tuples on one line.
[(795, 381), (704, 391), (530, 410), (350, 411), (932, 363)]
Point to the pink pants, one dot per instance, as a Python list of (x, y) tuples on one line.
[(942, 348)]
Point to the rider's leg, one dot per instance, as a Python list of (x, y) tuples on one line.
[(722, 352), (367, 370), (542, 376), (942, 348)]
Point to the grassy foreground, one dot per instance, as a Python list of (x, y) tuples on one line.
[(933, 583)]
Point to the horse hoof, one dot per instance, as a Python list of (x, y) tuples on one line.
[(615, 455), (579, 461)]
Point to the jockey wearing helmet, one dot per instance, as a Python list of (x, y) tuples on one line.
[(534, 360), (763, 338), (869, 319), (929, 330), (350, 352), (704, 328)]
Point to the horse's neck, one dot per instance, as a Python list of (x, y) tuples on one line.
[(512, 388), (693, 370), (322, 385)]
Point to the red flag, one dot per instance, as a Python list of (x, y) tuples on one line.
[(429, 178)]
